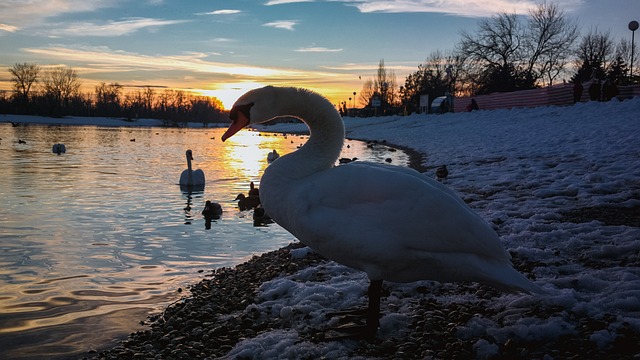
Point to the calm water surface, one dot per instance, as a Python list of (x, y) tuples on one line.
[(93, 240)]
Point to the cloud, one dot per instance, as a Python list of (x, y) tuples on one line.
[(34, 12), (317, 49), (221, 12), (8, 28), (282, 24), (280, 2), (468, 8), (96, 59), (111, 28)]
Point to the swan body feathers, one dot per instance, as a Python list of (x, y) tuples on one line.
[(391, 222), (190, 177)]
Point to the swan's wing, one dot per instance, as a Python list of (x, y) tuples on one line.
[(198, 176), (387, 209), (184, 177)]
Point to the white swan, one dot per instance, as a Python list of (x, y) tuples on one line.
[(191, 177), (391, 222)]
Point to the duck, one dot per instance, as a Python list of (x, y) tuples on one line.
[(391, 222), (58, 149), (247, 202), (260, 217), (253, 190), (442, 172), (345, 160), (212, 210), (272, 156), (190, 177)]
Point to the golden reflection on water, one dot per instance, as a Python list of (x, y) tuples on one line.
[(103, 230)]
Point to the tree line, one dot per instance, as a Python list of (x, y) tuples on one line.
[(56, 92), (506, 53)]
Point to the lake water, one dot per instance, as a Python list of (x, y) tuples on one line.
[(95, 239)]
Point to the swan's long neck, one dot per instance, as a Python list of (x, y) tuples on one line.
[(189, 171), (189, 163), (326, 133)]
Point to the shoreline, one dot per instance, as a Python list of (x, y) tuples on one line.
[(220, 313)]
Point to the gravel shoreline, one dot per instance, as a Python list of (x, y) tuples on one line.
[(214, 318)]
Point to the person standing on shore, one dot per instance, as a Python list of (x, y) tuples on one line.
[(577, 91)]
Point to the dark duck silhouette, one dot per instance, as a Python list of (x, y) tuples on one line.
[(247, 202), (212, 210), (442, 172)]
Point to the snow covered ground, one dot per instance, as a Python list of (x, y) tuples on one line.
[(522, 170)]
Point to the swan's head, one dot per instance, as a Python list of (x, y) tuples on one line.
[(258, 106), (189, 155)]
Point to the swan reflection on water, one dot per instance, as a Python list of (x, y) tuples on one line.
[(211, 211), (190, 194)]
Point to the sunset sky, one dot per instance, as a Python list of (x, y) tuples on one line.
[(223, 48)]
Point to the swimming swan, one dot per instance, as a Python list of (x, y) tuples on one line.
[(391, 222), (191, 177)]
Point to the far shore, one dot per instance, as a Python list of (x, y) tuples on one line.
[(416, 158)]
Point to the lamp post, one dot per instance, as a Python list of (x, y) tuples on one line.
[(633, 26)]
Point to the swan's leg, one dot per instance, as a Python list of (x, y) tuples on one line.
[(371, 315)]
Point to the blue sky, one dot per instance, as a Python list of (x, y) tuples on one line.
[(223, 48)]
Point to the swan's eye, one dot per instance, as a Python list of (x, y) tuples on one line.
[(243, 109)]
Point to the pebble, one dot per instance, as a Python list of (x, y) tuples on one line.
[(219, 313)]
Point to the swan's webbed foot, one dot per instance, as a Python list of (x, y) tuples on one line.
[(361, 323), (351, 331)]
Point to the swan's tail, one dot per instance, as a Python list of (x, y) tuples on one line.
[(506, 278)]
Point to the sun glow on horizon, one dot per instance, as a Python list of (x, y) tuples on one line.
[(230, 92)]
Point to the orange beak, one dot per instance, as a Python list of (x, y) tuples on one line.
[(239, 119)]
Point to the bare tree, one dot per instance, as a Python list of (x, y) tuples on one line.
[(60, 85), (511, 54), (437, 76), (596, 51), (24, 76), (366, 93), (550, 37), (385, 85), (149, 96), (108, 100), (496, 43), (497, 47)]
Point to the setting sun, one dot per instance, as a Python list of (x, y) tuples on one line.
[(230, 92)]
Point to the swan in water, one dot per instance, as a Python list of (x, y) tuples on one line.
[(58, 149), (191, 177), (391, 222)]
